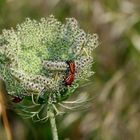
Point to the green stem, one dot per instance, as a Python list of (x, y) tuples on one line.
[(53, 125)]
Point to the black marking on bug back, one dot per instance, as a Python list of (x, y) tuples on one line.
[(17, 99)]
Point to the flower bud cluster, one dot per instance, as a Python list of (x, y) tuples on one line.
[(33, 57)]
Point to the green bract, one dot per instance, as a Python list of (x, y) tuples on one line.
[(33, 57)]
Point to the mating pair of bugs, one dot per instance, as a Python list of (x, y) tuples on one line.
[(67, 81)]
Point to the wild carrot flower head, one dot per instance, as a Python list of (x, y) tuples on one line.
[(34, 58)]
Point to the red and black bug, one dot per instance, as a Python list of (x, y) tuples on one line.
[(17, 99), (70, 74)]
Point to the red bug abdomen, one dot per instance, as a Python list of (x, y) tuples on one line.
[(70, 74), (69, 79), (72, 67)]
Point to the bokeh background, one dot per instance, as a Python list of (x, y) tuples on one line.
[(114, 114)]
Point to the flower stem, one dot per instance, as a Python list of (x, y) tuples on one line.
[(3, 113), (53, 125)]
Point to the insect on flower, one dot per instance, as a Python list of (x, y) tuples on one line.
[(70, 75), (17, 99)]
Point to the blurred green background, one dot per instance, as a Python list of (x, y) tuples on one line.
[(114, 114)]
